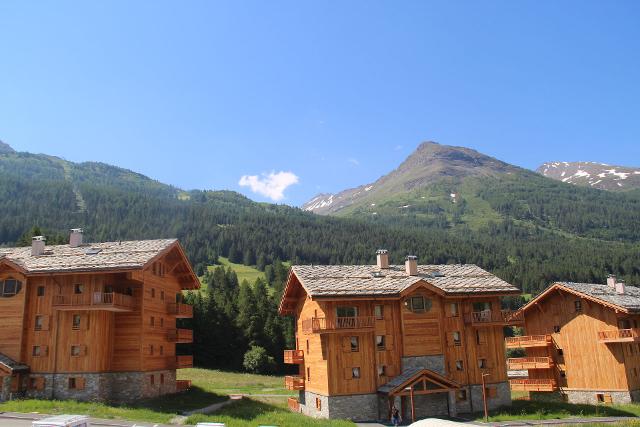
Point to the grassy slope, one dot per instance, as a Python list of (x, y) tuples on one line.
[(221, 382), (244, 272), (536, 410)]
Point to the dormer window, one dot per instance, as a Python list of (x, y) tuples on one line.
[(10, 287), (418, 304), (78, 289)]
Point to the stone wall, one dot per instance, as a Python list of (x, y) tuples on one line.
[(433, 363), (585, 396), (502, 398), (5, 388), (430, 405), (358, 407)]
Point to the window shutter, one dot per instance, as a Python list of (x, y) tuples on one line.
[(44, 350), (80, 383), (40, 383), (389, 342), (348, 374), (84, 350), (85, 320), (45, 323), (346, 344)]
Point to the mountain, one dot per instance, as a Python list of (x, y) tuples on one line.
[(594, 175), (5, 148), (521, 226), (429, 164)]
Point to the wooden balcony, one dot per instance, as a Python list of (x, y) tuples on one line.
[(183, 362), (520, 363), (494, 318), (180, 336), (293, 382), (339, 324), (294, 405), (527, 341), (110, 301), (533, 385), (180, 310), (182, 385), (294, 357), (619, 335)]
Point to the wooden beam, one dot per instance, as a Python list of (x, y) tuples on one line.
[(413, 408)]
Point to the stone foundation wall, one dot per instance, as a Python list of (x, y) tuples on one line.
[(585, 396), (358, 407), (434, 363), (474, 397), (5, 390), (430, 405)]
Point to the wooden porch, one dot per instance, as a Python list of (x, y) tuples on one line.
[(180, 310), (619, 335), (183, 362), (294, 357), (339, 324), (180, 336), (294, 382), (494, 318), (110, 301), (533, 385), (520, 363), (527, 341)]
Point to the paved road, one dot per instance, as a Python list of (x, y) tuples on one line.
[(24, 420)]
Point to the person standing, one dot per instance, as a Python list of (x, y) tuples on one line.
[(396, 419)]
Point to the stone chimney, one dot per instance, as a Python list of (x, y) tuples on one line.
[(383, 258), (75, 239), (620, 287), (411, 265), (37, 245), (611, 281)]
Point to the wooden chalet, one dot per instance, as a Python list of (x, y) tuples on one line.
[(93, 321), (420, 337), (582, 343)]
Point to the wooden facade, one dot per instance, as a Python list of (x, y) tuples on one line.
[(585, 346), (89, 324)]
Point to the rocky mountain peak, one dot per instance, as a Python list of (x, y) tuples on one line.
[(593, 174), (6, 148)]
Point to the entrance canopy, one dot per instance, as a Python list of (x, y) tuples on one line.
[(9, 366), (418, 381)]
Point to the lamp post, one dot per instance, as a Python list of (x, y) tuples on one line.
[(484, 399)]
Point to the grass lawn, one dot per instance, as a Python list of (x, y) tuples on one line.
[(244, 272), (253, 412), (221, 382), (537, 410)]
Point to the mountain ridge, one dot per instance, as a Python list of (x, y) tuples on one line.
[(601, 176)]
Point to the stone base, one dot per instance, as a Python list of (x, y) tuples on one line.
[(433, 363), (358, 407), (586, 396), (118, 387)]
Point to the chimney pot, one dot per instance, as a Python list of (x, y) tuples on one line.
[(75, 239), (411, 265), (37, 245), (611, 281), (382, 256), (620, 287)]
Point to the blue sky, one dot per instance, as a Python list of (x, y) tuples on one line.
[(322, 95)]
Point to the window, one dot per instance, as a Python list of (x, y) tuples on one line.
[(151, 349), (78, 288), (378, 311), (161, 379), (456, 338), (76, 383), (161, 350), (482, 364), (152, 379), (491, 392), (382, 371), (10, 288), (153, 293), (318, 404), (577, 304), (461, 395), (418, 304), (39, 322), (560, 352), (355, 344), (454, 309), (77, 350), (346, 312), (556, 329), (481, 306), (308, 374), (36, 351), (355, 373), (480, 337), (76, 322), (380, 342), (459, 365), (307, 346), (162, 322), (40, 291), (72, 383), (152, 321), (162, 295), (600, 397), (563, 374)]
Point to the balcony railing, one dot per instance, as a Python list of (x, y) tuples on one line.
[(111, 301), (528, 341), (322, 324), (183, 362), (529, 363), (494, 318), (180, 335), (619, 335), (293, 404), (180, 310), (293, 382), (294, 357), (183, 385), (533, 385)]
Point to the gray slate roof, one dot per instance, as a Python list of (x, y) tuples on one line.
[(360, 280), (630, 300), (11, 364), (126, 255), (399, 380)]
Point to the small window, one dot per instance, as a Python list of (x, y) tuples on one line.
[(355, 344), (461, 395), (151, 349), (382, 371), (152, 321), (378, 311), (491, 392), (10, 288), (40, 291), (152, 379), (39, 323), (308, 374), (76, 322), (600, 397), (153, 293), (563, 374), (380, 342), (161, 379), (76, 351), (162, 295), (417, 304), (318, 404), (480, 337), (560, 352), (78, 288), (161, 350), (482, 364), (456, 338), (162, 322), (577, 304), (347, 312), (307, 347), (72, 383), (36, 351), (482, 306), (459, 365), (454, 310), (556, 329), (355, 372)]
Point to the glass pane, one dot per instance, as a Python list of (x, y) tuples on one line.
[(347, 311)]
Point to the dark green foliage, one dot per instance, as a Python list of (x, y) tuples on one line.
[(257, 361)]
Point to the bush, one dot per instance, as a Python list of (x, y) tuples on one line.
[(258, 361)]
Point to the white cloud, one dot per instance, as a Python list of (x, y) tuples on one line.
[(271, 185), (354, 162)]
